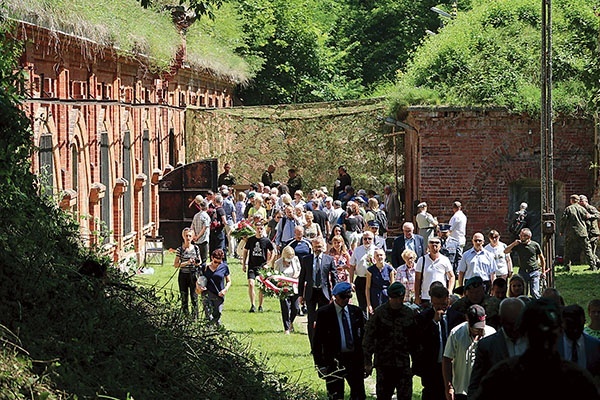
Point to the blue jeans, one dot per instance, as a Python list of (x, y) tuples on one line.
[(532, 282)]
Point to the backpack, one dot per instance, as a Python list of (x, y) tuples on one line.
[(517, 225)]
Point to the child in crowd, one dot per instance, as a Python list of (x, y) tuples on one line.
[(593, 329)]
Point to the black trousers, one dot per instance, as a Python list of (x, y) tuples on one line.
[(351, 368), (187, 290), (360, 284), (433, 383)]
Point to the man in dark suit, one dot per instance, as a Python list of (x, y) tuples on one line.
[(317, 277), (337, 345), (576, 346), (507, 342), (433, 327), (408, 240)]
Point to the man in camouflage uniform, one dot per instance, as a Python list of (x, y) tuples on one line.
[(592, 227), (475, 294), (391, 335), (573, 228), (295, 181)]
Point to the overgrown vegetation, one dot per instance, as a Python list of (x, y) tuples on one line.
[(135, 32), (65, 334), (490, 56)]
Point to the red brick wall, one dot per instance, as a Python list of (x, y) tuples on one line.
[(474, 155), (74, 95)]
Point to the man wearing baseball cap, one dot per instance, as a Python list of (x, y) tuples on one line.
[(459, 353), (337, 344)]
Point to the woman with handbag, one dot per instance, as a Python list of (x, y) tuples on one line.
[(213, 284)]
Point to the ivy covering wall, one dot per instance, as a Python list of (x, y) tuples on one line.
[(314, 138)]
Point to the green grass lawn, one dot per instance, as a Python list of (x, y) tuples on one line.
[(290, 354)]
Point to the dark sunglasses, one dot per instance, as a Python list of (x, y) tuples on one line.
[(345, 295)]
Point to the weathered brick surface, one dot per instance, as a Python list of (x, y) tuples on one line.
[(76, 90), (475, 155)]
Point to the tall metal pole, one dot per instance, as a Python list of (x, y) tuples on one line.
[(547, 155)]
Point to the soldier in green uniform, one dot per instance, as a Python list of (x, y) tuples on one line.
[(391, 335), (226, 178), (573, 228), (592, 227), (295, 181)]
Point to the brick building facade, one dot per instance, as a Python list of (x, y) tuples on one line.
[(106, 129), (489, 160)]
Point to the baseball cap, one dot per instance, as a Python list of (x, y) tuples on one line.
[(476, 316)]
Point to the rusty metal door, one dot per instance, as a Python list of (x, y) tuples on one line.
[(176, 192)]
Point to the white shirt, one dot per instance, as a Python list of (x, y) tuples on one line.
[(568, 348), (477, 263), (338, 311), (499, 256), (433, 271), (458, 227), (361, 258), (461, 348), (516, 348)]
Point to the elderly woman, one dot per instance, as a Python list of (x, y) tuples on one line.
[(311, 230), (379, 277), (288, 265), (257, 209), (341, 257), (187, 260), (299, 215), (213, 285), (298, 199), (405, 274)]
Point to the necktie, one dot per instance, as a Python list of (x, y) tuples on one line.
[(574, 356), (444, 329), (318, 271), (347, 332)]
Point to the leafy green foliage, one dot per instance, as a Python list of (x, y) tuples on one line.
[(490, 56), (69, 335), (378, 37)]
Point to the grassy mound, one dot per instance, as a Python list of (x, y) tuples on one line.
[(67, 334)]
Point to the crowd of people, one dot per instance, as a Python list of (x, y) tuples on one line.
[(430, 305)]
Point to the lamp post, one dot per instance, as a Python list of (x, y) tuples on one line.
[(547, 155)]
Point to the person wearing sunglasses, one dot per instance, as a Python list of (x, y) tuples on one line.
[(213, 285), (477, 261), (337, 345)]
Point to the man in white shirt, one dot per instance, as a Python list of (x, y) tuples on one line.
[(459, 353), (361, 259), (458, 224), (477, 261)]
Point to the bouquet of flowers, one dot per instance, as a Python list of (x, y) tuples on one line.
[(243, 229), (276, 285)]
